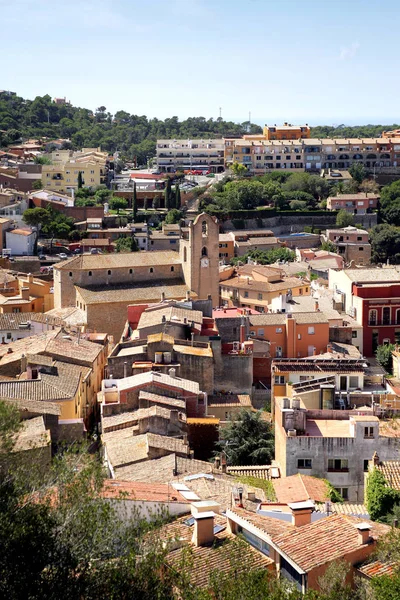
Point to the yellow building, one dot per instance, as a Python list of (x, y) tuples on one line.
[(62, 175), (255, 286)]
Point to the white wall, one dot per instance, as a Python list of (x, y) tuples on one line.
[(20, 244)]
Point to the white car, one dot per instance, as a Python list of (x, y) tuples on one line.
[(62, 255)]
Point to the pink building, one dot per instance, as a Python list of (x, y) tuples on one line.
[(354, 203)]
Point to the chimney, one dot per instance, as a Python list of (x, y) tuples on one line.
[(162, 296), (375, 459), (172, 372), (364, 531), (25, 293), (217, 462), (24, 363), (316, 306), (187, 296), (203, 533), (30, 277), (125, 369), (242, 331), (301, 512)]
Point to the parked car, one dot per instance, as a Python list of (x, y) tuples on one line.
[(210, 175), (42, 257), (44, 270), (94, 251), (62, 255)]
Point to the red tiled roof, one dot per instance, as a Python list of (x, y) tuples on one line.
[(146, 492), (377, 568), (300, 487), (325, 540)]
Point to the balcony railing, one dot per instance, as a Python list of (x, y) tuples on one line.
[(383, 322)]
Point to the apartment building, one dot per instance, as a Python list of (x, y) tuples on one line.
[(62, 175), (356, 204), (287, 131), (303, 435), (196, 154), (313, 154), (352, 244), (255, 286), (372, 298)]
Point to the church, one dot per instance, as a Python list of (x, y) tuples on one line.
[(102, 286)]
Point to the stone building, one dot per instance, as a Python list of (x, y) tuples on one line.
[(104, 286)]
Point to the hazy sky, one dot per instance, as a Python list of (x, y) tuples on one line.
[(314, 61)]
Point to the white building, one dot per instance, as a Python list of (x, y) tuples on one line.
[(21, 242)]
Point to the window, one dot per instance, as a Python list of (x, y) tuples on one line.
[(300, 291), (304, 463), (130, 271), (344, 492), (151, 270), (70, 273), (90, 273), (254, 541), (279, 380), (299, 336), (398, 316), (386, 315), (278, 352), (204, 229), (260, 332), (204, 251), (373, 317), (172, 269), (8, 335), (311, 330), (366, 461), (108, 272), (259, 296), (354, 334), (338, 464), (184, 254), (278, 330), (353, 381), (246, 294), (368, 433), (16, 310), (306, 290)]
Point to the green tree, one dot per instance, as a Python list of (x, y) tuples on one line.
[(249, 440), (36, 216), (173, 216), (344, 219), (238, 169), (333, 583), (156, 203), (117, 203), (126, 244), (358, 172), (168, 195), (384, 356), (380, 497), (177, 197), (385, 243), (328, 246), (80, 180), (37, 184)]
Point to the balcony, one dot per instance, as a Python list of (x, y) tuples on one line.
[(383, 322)]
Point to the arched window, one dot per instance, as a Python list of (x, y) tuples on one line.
[(184, 255), (204, 229), (204, 251), (344, 157), (398, 316), (373, 317), (109, 272), (387, 156), (371, 156), (357, 157), (90, 273)]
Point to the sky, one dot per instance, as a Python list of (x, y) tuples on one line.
[(302, 61)]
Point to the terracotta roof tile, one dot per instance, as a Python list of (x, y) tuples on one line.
[(390, 469), (174, 289), (377, 569), (300, 487), (120, 260)]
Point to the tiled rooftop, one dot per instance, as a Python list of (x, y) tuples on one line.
[(390, 469), (158, 378), (297, 488), (262, 286), (162, 469), (325, 540), (377, 568), (140, 491), (172, 403), (373, 275), (144, 292), (170, 314), (120, 260), (217, 559), (33, 434)]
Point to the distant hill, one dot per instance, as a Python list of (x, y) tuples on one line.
[(132, 135)]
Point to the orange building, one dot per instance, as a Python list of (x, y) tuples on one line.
[(287, 131), (226, 243)]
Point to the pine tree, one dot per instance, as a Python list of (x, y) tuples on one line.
[(134, 202), (168, 195), (80, 180), (177, 197)]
